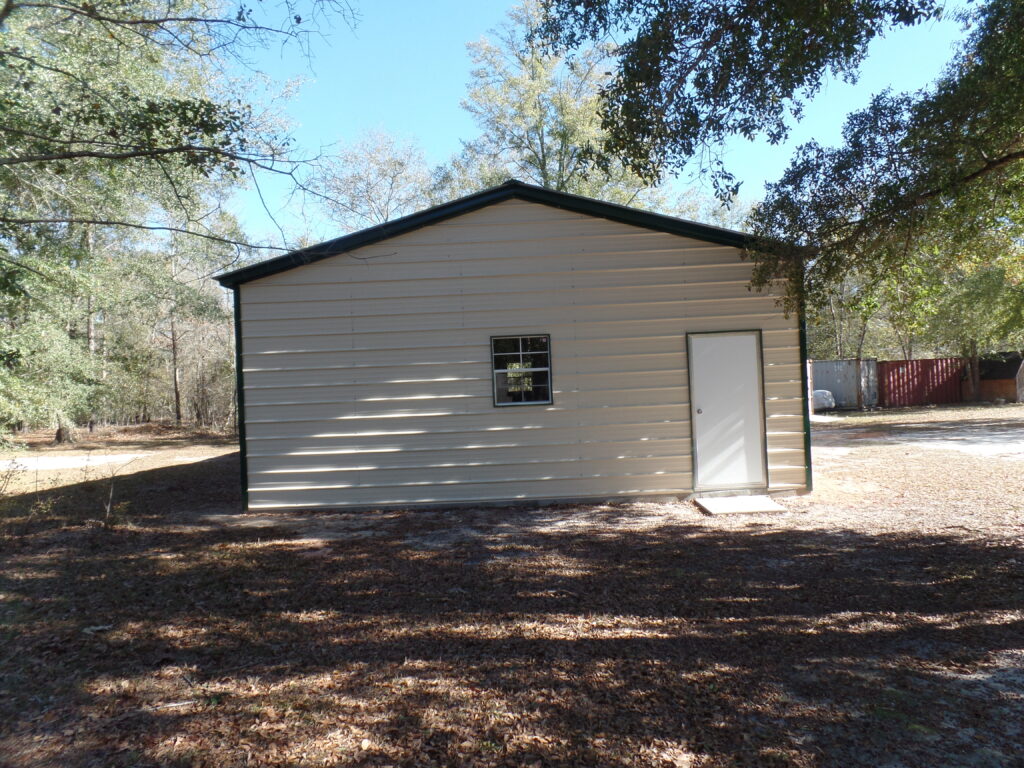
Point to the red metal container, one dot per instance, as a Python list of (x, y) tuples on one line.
[(919, 382)]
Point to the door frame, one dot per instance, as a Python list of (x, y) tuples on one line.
[(763, 422)]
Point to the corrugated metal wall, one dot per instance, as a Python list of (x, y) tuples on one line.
[(996, 389), (368, 375), (842, 378), (919, 382)]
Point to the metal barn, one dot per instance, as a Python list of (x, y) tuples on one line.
[(516, 344)]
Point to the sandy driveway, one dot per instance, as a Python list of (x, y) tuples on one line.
[(36, 463), (993, 431)]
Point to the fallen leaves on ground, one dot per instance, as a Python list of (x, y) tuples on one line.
[(873, 627)]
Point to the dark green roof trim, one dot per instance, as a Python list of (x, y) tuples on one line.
[(507, 191)]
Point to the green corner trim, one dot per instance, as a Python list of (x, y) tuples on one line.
[(806, 398), (243, 462)]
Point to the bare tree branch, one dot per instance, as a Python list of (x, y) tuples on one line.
[(147, 227)]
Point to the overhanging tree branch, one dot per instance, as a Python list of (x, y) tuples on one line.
[(134, 225)]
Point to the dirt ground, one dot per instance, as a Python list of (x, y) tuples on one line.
[(877, 622)]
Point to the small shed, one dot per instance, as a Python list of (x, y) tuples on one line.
[(1002, 378), (516, 344)]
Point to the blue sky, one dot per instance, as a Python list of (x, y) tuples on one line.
[(404, 70)]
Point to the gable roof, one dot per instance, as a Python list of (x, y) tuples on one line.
[(509, 190)]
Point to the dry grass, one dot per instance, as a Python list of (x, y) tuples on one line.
[(879, 623), (117, 438), (133, 471)]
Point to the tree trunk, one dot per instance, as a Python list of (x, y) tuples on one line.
[(90, 314), (90, 321), (200, 407), (860, 382), (90, 327), (175, 372), (860, 339), (974, 372), (837, 331), (906, 345), (65, 434), (200, 395)]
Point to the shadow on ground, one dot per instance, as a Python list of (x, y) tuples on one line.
[(528, 644), (178, 493), (993, 433), (144, 437)]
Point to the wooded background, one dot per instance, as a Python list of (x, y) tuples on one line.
[(125, 130)]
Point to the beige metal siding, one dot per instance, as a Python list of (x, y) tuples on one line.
[(368, 376)]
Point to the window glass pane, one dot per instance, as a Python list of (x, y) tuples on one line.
[(519, 380), (535, 344), (539, 360), (503, 393), (537, 394), (502, 362), (504, 345), (539, 378)]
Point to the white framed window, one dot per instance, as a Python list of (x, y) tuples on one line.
[(521, 368)]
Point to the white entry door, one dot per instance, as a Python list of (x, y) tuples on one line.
[(727, 410)]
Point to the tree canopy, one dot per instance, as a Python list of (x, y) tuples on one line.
[(374, 179), (106, 100), (123, 127), (113, 326), (934, 177), (692, 73), (538, 115)]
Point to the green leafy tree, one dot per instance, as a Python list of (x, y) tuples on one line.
[(45, 376), (908, 301), (972, 310), (106, 101), (980, 311), (49, 369), (840, 327), (691, 72), (538, 114), (935, 175), (121, 132), (116, 326)]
